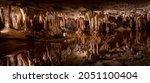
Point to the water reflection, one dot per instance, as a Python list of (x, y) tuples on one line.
[(120, 48)]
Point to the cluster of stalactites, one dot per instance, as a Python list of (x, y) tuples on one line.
[(13, 17), (79, 22)]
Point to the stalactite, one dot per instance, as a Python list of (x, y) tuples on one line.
[(1, 14), (54, 23), (7, 20)]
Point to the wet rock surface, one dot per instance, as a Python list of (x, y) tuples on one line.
[(83, 50)]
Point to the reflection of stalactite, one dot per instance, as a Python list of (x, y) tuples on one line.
[(49, 55), (79, 52)]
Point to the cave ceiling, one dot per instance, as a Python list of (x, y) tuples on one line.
[(58, 5)]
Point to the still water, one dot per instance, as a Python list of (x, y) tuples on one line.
[(120, 48)]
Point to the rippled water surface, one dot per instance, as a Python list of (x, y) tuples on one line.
[(120, 48)]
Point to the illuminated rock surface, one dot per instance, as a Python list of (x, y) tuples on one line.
[(74, 32)]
